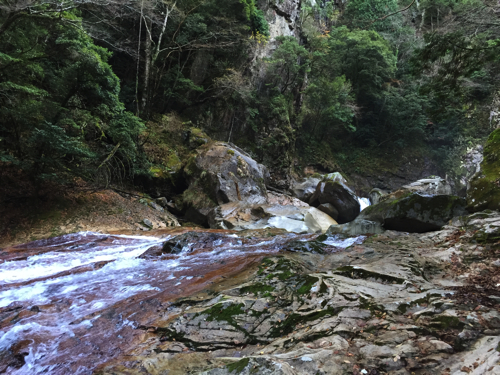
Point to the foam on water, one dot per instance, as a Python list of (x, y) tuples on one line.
[(52, 263), (343, 243)]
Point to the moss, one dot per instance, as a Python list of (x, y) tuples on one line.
[(191, 169), (197, 132), (290, 323), (195, 197), (224, 312), (305, 283), (239, 366), (484, 192), (322, 237), (173, 162), (445, 322), (285, 268), (230, 152)]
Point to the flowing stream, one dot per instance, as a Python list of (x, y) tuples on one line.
[(70, 303)]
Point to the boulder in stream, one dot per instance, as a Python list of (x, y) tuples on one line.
[(415, 212), (305, 189), (334, 190), (221, 173)]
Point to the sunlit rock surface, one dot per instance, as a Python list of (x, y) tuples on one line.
[(433, 185)]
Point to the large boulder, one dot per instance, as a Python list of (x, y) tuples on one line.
[(305, 189), (415, 212), (334, 190), (241, 216), (218, 174), (484, 187), (328, 209)]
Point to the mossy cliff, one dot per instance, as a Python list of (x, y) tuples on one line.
[(484, 190)]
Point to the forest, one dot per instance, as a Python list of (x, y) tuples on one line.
[(105, 90)]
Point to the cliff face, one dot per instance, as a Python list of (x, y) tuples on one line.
[(283, 17)]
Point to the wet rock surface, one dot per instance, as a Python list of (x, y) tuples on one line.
[(269, 302), (433, 185)]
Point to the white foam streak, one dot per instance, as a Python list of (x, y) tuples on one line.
[(344, 242), (363, 203), (52, 263)]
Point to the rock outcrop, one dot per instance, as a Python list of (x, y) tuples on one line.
[(433, 185), (415, 212), (356, 227), (484, 189)]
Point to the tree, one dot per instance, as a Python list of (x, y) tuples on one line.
[(59, 98)]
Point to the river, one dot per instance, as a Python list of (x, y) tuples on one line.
[(70, 303)]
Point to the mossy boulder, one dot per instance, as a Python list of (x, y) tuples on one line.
[(415, 212), (218, 173), (484, 189)]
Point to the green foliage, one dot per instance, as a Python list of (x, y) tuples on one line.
[(59, 105), (258, 23), (451, 61), (365, 13), (365, 59), (288, 65), (402, 121), (328, 103)]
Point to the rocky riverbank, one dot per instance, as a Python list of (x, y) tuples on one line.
[(262, 301), (396, 304)]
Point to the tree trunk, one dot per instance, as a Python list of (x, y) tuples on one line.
[(147, 67)]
